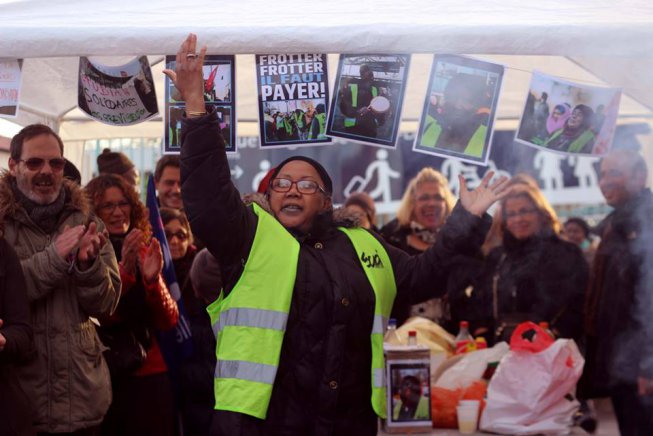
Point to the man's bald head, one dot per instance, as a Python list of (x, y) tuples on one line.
[(623, 175)]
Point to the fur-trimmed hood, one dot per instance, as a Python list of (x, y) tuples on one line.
[(341, 216), (75, 198)]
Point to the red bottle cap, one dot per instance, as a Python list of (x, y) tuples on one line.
[(412, 333), (464, 324)]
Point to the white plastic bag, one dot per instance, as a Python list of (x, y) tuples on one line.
[(470, 367), (528, 393)]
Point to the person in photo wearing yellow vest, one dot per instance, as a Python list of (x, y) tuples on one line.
[(412, 404), (318, 124), (354, 101), (458, 120), (300, 320), (576, 136)]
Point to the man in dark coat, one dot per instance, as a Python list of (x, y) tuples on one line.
[(619, 305), (323, 384)]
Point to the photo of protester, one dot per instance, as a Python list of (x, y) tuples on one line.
[(568, 117), (296, 120), (293, 92), (410, 392), (219, 75), (459, 108), (370, 93)]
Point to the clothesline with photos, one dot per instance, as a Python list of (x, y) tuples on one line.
[(296, 107)]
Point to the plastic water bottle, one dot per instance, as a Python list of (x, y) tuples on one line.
[(464, 339), (391, 336)]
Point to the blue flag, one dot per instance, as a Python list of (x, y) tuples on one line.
[(176, 344)]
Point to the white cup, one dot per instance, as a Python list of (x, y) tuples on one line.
[(467, 411)]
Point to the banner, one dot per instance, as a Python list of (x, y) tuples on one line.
[(369, 97), (176, 344), (10, 76), (459, 108), (219, 92), (567, 117), (117, 95)]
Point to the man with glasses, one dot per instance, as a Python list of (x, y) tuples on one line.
[(71, 274), (300, 318)]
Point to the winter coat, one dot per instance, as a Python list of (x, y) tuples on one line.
[(16, 411), (620, 300), (68, 382), (323, 383), (542, 278)]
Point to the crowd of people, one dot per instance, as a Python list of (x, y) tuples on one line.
[(297, 125), (287, 299)]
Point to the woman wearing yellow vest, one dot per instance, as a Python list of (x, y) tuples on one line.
[(300, 320)]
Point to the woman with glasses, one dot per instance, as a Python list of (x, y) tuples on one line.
[(534, 275), (300, 317), (425, 206), (142, 395)]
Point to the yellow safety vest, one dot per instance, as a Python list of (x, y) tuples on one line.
[(250, 322)]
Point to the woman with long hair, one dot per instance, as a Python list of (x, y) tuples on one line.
[(534, 275), (142, 394)]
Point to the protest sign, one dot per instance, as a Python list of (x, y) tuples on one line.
[(117, 95), (10, 70), (369, 97), (459, 108), (293, 94), (219, 74), (567, 117)]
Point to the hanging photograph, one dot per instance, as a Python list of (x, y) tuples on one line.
[(219, 73), (567, 117), (369, 94), (117, 95), (293, 93), (459, 108), (9, 87)]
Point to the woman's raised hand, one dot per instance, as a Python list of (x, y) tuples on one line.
[(187, 76), (480, 199)]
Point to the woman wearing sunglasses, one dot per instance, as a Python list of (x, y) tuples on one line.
[(142, 396)]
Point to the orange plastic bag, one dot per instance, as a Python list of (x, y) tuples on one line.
[(444, 402)]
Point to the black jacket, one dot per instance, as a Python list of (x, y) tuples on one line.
[(323, 384), (619, 307), (540, 279), (15, 407)]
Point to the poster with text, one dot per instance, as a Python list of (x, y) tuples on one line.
[(117, 95), (9, 86), (567, 117), (219, 73), (368, 98), (293, 94), (459, 108)]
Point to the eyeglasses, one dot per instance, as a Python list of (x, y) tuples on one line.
[(36, 163), (180, 235), (303, 186), (518, 213), (425, 197), (124, 206)]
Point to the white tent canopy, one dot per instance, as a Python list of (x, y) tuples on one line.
[(601, 42)]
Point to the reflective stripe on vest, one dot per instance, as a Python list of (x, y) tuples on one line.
[(250, 322), (378, 269)]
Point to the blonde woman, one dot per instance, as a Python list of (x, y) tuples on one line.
[(534, 275), (424, 208)]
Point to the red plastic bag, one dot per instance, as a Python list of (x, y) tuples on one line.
[(529, 336), (444, 402)]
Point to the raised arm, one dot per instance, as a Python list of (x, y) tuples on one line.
[(216, 213)]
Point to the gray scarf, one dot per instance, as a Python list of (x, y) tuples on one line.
[(46, 216)]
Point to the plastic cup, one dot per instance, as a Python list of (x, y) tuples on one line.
[(467, 411)]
